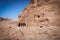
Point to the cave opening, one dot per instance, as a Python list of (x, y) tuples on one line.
[(38, 16), (21, 24)]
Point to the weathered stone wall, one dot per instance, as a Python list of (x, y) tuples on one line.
[(40, 20), (45, 9), (44, 14)]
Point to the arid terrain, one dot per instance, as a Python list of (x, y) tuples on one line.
[(40, 20)]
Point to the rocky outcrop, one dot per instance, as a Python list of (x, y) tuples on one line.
[(4, 19), (40, 16), (41, 11), (40, 20)]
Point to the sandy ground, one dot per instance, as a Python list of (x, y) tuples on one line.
[(11, 31)]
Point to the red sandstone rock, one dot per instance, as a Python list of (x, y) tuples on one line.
[(40, 20)]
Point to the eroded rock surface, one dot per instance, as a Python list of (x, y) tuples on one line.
[(4, 19), (40, 20)]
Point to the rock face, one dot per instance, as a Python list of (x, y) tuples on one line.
[(41, 10), (40, 20), (43, 19)]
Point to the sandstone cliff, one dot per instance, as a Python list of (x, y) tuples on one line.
[(45, 12), (40, 20)]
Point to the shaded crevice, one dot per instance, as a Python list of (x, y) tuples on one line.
[(9, 27), (41, 26), (47, 19), (46, 0), (38, 16)]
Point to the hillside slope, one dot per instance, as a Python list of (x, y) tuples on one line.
[(40, 20)]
